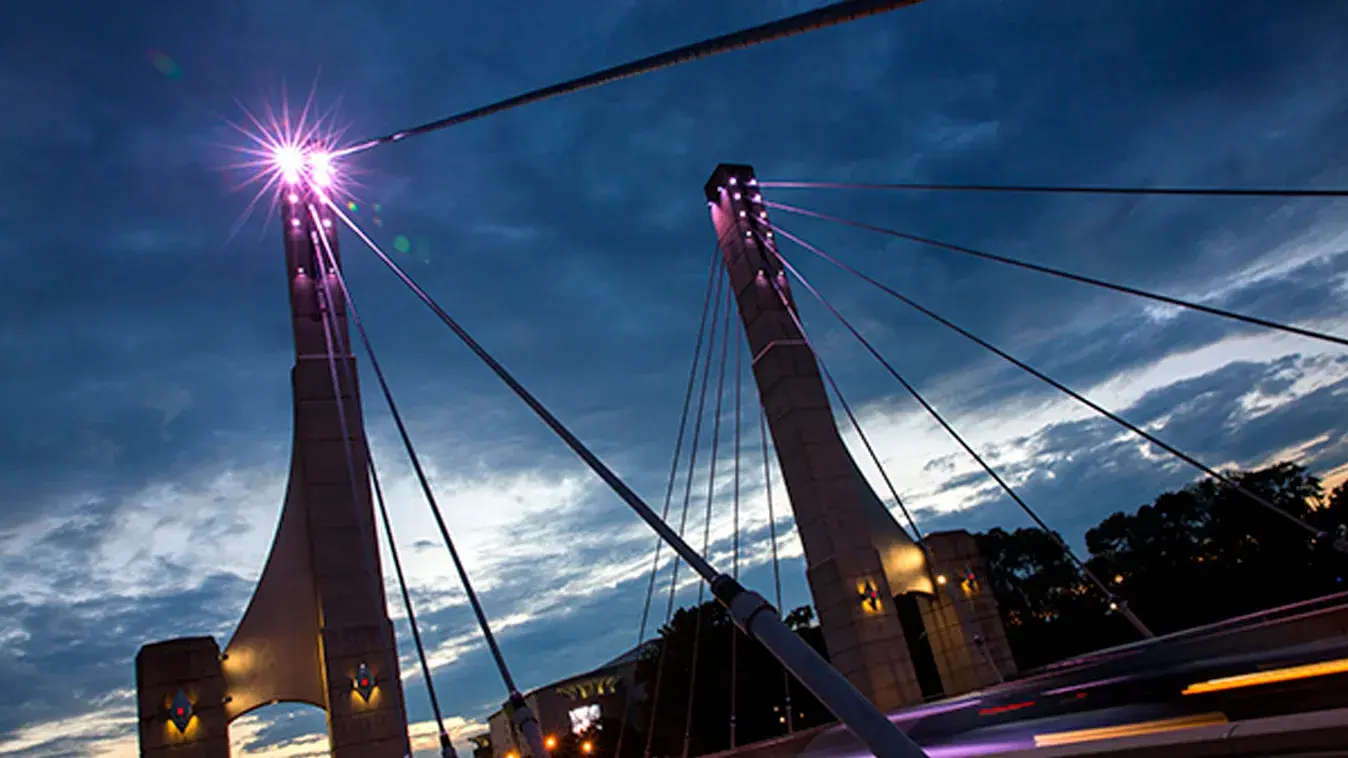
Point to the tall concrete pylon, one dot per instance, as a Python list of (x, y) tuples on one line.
[(864, 570), (317, 629)]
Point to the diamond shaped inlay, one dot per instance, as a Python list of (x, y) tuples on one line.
[(181, 711), (364, 682), (870, 596)]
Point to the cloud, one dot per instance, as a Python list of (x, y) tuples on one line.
[(99, 732)]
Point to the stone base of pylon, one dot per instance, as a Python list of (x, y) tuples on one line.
[(181, 700), (968, 642)]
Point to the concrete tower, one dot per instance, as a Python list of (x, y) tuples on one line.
[(870, 582), (316, 630)]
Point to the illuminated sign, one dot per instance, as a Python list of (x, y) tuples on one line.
[(583, 718)]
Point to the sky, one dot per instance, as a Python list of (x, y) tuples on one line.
[(144, 393)]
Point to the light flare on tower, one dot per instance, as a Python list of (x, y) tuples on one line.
[(286, 153)]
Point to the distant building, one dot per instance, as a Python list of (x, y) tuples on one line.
[(481, 745), (569, 706)]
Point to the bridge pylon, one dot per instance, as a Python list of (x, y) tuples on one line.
[(888, 627), (317, 629)]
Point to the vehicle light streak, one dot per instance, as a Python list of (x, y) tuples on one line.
[(1271, 676)]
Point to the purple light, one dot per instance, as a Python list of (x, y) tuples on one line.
[(292, 154), (976, 748), (737, 196), (289, 161), (320, 165), (1088, 685), (295, 222), (965, 750), (732, 181), (932, 709)]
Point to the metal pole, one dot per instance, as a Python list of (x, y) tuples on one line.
[(525, 722)]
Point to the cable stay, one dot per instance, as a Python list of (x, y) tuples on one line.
[(748, 609), (830, 15), (334, 343), (697, 435), (776, 563), (706, 527), (1115, 602), (446, 747), (740, 347), (966, 625), (1168, 300), (1046, 189), (669, 490), (687, 503), (1318, 534), (328, 315), (523, 716)]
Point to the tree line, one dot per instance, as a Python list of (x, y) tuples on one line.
[(1194, 556)]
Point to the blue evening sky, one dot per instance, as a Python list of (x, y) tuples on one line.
[(144, 388)]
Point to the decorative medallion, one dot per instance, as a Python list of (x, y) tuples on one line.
[(970, 583), (180, 712), (364, 682), (870, 596)]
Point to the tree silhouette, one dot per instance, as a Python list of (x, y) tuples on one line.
[(1048, 608), (1208, 552), (799, 619), (761, 685)]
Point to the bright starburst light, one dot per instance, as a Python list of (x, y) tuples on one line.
[(290, 162), (285, 153)]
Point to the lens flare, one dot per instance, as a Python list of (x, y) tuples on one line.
[(321, 170), (288, 154), (289, 162)]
